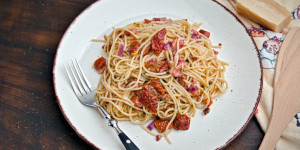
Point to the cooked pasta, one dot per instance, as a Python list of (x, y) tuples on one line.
[(161, 70)]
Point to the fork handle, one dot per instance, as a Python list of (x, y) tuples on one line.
[(129, 145)]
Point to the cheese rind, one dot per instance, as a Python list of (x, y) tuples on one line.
[(267, 13)]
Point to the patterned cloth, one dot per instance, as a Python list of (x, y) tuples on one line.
[(269, 43)]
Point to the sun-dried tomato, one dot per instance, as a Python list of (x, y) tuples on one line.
[(205, 33), (161, 125), (158, 137), (156, 84), (146, 51), (100, 64), (182, 122), (149, 99), (136, 101), (206, 111), (133, 47), (151, 65), (147, 21), (157, 41)]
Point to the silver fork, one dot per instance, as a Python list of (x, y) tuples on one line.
[(85, 94)]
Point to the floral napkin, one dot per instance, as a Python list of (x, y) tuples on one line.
[(269, 43)]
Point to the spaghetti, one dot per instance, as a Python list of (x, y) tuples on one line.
[(161, 70)]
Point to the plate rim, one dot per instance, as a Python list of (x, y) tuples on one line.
[(221, 147)]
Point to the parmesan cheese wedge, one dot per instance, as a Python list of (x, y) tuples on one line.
[(267, 13)]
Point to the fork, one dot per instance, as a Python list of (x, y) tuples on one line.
[(85, 94)]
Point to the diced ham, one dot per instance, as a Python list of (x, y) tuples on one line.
[(100, 64), (120, 50), (195, 34), (136, 101), (161, 125), (181, 122), (157, 85), (174, 45), (134, 31), (177, 71), (194, 81), (157, 41), (196, 92), (164, 67), (181, 80)]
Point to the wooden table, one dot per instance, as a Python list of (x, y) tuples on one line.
[(29, 113)]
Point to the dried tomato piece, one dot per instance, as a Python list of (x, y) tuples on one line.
[(151, 65), (161, 125), (156, 84), (157, 41), (205, 33), (206, 111), (147, 21), (149, 99), (146, 51), (181, 122), (158, 137), (136, 101), (133, 47), (100, 64)]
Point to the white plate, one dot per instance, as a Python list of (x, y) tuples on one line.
[(230, 112)]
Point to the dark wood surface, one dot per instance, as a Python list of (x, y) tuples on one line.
[(30, 31)]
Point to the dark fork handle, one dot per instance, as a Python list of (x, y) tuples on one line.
[(129, 145)]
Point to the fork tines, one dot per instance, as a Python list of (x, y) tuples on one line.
[(78, 80)]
